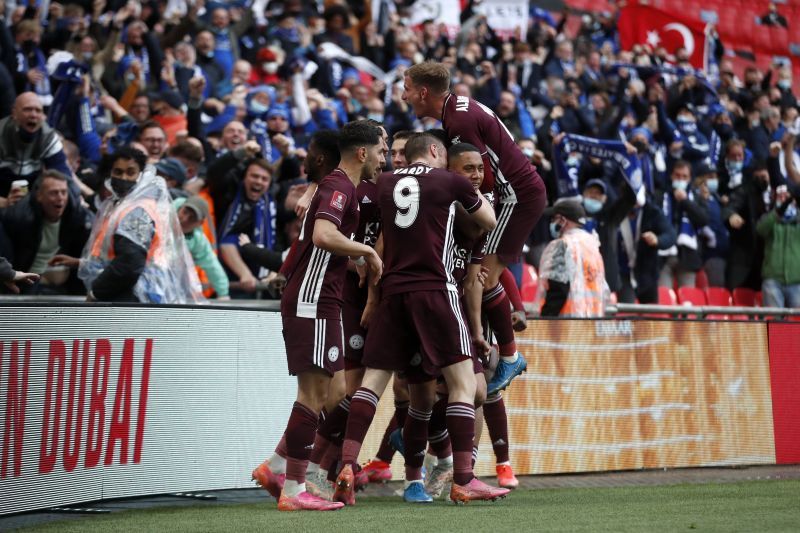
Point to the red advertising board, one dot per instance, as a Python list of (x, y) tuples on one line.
[(784, 368)]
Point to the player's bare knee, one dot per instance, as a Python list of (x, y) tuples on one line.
[(422, 396), (400, 389)]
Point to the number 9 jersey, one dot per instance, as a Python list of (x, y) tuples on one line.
[(418, 209)]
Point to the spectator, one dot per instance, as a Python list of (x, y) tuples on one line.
[(780, 229), (773, 18), (683, 259), (192, 212), (43, 225), (714, 236), (136, 252), (572, 281), (27, 145), (154, 139)]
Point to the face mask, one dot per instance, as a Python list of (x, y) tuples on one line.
[(713, 185), (258, 108), (209, 55), (87, 56), (270, 68), (28, 45), (377, 117), (734, 167), (755, 123), (683, 120), (555, 230), (641, 146), (680, 185), (122, 187), (725, 130), (592, 205), (785, 84), (528, 152), (791, 213)]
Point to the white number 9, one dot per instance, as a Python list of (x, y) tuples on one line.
[(406, 198)]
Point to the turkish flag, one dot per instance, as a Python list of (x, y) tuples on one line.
[(639, 24)]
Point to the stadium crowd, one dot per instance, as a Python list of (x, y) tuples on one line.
[(679, 171)]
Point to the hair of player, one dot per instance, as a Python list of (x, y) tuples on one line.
[(462, 148), (402, 135), (327, 142), (440, 134), (417, 145), (357, 134), (430, 74)]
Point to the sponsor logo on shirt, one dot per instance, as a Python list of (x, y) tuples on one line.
[(338, 200)]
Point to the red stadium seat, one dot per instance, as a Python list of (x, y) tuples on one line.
[(718, 297), (529, 282), (691, 296), (666, 296), (701, 281), (744, 297)]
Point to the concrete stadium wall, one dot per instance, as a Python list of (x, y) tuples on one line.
[(101, 402)]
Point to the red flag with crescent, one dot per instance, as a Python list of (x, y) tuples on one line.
[(642, 24)]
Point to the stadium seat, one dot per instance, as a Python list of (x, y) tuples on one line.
[(691, 296), (529, 283), (701, 281), (744, 297), (666, 296), (718, 297)]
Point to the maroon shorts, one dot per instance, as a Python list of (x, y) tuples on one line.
[(517, 214), (313, 343), (355, 299), (426, 327)]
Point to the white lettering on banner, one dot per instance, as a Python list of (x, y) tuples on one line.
[(613, 328), (506, 17), (439, 11)]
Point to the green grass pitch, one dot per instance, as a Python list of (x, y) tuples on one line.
[(745, 506)]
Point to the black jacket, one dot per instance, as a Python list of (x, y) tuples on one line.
[(689, 259), (23, 224), (746, 247), (647, 265)]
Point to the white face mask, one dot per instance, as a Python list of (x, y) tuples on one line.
[(270, 68)]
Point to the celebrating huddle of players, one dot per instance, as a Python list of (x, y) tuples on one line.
[(399, 274)]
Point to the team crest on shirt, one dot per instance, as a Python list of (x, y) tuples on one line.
[(338, 200), (356, 342), (333, 354)]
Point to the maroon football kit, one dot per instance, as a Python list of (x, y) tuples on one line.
[(519, 189), (420, 309), (311, 305)]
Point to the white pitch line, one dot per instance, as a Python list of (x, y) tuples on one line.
[(609, 413), (547, 378), (607, 448), (593, 347)]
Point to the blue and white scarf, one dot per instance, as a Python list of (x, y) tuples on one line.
[(608, 150), (42, 89), (687, 236), (264, 218)]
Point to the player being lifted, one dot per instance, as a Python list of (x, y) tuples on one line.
[(519, 189), (419, 311), (312, 302)]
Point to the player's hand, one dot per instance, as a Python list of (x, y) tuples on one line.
[(680, 195), (775, 149), (302, 205), (366, 316), (375, 265), (244, 239), (482, 348), (196, 87), (25, 278), (252, 149), (650, 238), (483, 275)]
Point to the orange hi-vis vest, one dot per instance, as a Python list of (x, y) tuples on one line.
[(103, 245), (209, 230), (581, 266)]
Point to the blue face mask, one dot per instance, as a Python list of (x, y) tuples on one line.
[(785, 84), (680, 185), (734, 167), (713, 185), (555, 230), (377, 117), (257, 108), (592, 205)]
